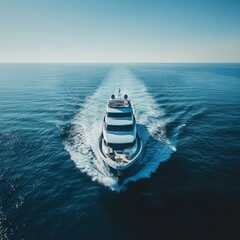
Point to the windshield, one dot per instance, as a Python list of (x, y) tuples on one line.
[(115, 128), (119, 115), (120, 146)]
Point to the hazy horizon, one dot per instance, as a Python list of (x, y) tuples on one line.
[(120, 31), (237, 62)]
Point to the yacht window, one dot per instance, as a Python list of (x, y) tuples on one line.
[(116, 128), (119, 115), (121, 146)]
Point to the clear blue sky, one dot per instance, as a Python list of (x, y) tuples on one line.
[(119, 31)]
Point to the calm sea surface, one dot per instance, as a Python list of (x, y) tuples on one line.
[(53, 185)]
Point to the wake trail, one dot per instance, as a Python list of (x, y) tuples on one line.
[(87, 125)]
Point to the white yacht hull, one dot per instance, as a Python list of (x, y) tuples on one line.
[(119, 144)]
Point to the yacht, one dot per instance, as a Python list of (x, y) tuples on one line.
[(119, 144)]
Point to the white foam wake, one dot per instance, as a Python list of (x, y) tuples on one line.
[(87, 124)]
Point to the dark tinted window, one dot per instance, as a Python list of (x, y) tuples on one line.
[(117, 146), (119, 115), (124, 128)]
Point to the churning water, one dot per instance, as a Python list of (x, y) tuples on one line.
[(87, 125)]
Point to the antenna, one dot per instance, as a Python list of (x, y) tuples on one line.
[(119, 93)]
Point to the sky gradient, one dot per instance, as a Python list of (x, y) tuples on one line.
[(119, 31)]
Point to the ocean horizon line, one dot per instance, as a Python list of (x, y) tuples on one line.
[(119, 62)]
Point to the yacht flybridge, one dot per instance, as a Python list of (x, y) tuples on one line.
[(119, 143)]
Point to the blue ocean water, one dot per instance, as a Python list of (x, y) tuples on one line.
[(53, 186)]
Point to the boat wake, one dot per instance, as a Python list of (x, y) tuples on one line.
[(87, 125)]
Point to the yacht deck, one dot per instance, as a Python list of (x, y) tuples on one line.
[(119, 159), (119, 103)]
